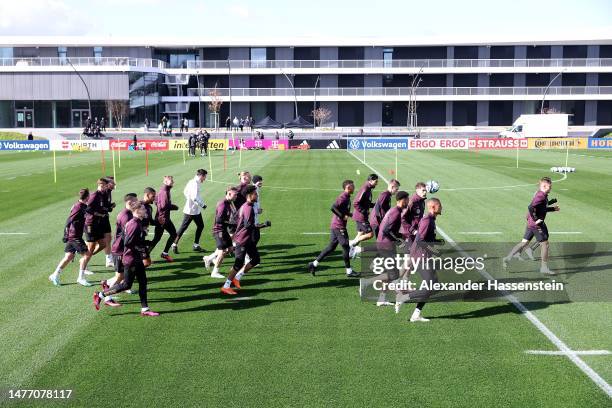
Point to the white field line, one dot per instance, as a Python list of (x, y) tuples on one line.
[(14, 233), (566, 232), (576, 352), (315, 233), (480, 233), (561, 346)]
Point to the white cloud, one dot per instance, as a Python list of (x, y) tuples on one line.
[(43, 17)]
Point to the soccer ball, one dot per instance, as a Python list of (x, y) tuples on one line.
[(432, 186)]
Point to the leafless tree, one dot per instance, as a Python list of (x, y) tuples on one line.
[(118, 111), (215, 104), (321, 115)]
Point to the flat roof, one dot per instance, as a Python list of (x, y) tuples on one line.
[(603, 36)]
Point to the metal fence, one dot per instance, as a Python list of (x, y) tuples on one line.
[(401, 91), (404, 63), (82, 61)]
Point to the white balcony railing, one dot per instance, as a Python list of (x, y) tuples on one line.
[(398, 91), (82, 61), (413, 63)]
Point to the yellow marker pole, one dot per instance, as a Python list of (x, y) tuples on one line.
[(114, 173), (54, 168), (210, 164), (183, 149)]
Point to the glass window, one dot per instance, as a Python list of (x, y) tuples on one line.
[(6, 52), (180, 60), (388, 57), (62, 54), (97, 54), (258, 57)]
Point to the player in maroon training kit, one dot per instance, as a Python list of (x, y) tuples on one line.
[(162, 217), (341, 210), (422, 247), (133, 267), (383, 204), (246, 242), (387, 242), (536, 213), (362, 205), (73, 238), (118, 245)]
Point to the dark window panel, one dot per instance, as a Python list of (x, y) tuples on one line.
[(502, 52), (466, 53)]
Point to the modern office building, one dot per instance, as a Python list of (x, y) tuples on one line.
[(362, 82)]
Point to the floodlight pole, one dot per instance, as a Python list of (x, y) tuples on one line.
[(314, 109), (546, 90), (293, 88), (412, 118), (85, 85), (199, 99)]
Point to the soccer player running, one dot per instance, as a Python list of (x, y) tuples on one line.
[(538, 208), (422, 247), (362, 205), (148, 198), (388, 240), (341, 210), (383, 204), (123, 217), (133, 267), (220, 231), (413, 213), (246, 244), (96, 216), (162, 217), (192, 211), (73, 238), (106, 226), (191, 142)]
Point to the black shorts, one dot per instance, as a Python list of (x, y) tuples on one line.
[(540, 233), (93, 232), (241, 251), (118, 261), (76, 246), (223, 240), (105, 226), (364, 227), (340, 236)]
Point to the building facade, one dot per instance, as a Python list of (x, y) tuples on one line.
[(53, 81)]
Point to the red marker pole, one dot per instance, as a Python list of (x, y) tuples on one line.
[(146, 162)]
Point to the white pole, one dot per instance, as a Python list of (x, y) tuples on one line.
[(396, 175), (364, 149), (566, 154), (517, 155), (210, 164)]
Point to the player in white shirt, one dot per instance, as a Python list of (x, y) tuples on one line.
[(192, 211)]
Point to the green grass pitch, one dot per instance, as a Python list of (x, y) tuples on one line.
[(293, 340)]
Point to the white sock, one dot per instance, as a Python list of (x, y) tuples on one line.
[(349, 270), (357, 249), (81, 274), (173, 244), (315, 263), (109, 258), (227, 283), (416, 313), (382, 297), (247, 259), (111, 282), (164, 253), (215, 270), (144, 309), (352, 242), (212, 256), (58, 270), (239, 275)]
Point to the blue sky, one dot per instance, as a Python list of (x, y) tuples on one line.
[(270, 18)]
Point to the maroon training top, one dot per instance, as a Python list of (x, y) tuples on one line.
[(246, 225), (122, 219), (76, 221), (363, 203), (95, 204), (411, 215), (342, 204), (133, 241), (390, 225), (383, 204)]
